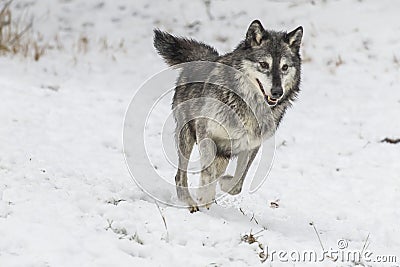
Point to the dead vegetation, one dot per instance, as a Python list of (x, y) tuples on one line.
[(396, 61), (122, 233), (253, 238), (84, 44), (390, 140), (16, 36)]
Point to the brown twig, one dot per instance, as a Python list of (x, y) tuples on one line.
[(390, 140)]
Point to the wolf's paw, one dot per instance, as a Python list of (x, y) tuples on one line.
[(193, 208), (206, 196), (229, 185), (225, 182), (185, 197), (192, 205), (235, 191)]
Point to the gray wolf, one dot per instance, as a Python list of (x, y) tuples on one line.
[(270, 66)]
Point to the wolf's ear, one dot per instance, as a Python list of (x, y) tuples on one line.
[(254, 33), (294, 38)]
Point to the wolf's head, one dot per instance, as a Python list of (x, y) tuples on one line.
[(272, 61)]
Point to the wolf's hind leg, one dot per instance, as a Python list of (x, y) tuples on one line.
[(233, 184), (185, 141)]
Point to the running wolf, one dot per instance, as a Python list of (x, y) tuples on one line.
[(270, 64)]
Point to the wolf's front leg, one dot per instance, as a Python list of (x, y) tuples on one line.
[(233, 184), (213, 166), (208, 182)]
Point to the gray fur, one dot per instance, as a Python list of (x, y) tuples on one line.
[(179, 50), (269, 65)]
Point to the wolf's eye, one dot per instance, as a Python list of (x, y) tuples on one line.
[(285, 67), (264, 65)]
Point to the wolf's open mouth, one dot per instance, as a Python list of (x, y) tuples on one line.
[(271, 101)]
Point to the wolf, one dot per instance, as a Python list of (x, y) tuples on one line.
[(252, 104)]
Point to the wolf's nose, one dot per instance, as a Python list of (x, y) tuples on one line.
[(276, 92)]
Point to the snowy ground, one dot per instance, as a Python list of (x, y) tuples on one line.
[(62, 170)]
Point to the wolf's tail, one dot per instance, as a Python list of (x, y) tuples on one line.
[(176, 50)]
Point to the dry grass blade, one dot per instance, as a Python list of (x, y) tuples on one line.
[(5, 20), (16, 36), (319, 238), (5, 8), (165, 221)]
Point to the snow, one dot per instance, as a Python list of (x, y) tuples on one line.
[(66, 195)]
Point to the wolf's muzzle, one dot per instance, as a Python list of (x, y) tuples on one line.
[(270, 100), (277, 92)]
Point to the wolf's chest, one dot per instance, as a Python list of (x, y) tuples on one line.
[(237, 136)]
